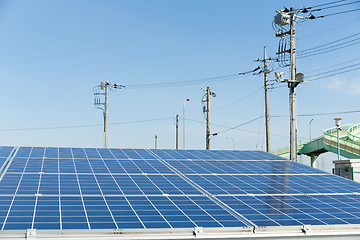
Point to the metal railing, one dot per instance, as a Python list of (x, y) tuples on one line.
[(353, 132), (349, 140), (345, 142), (285, 150)]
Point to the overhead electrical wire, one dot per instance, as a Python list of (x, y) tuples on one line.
[(321, 49), (324, 4), (329, 43), (335, 70), (317, 114), (191, 82), (241, 99), (182, 83), (332, 14), (326, 50), (83, 126), (243, 124), (335, 65), (335, 74), (327, 30), (340, 5), (237, 129)]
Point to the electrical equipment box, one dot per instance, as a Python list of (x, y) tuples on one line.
[(348, 168), (282, 19)]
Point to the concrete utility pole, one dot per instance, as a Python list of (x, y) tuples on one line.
[(207, 110), (177, 132), (102, 104), (282, 18), (292, 86), (266, 71)]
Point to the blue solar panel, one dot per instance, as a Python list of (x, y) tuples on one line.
[(90, 188), (4, 155)]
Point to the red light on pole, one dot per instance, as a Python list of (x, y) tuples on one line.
[(188, 99)]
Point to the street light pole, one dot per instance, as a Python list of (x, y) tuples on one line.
[(310, 127), (337, 123), (233, 141)]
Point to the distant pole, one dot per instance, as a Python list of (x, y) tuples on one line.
[(208, 118), (206, 109), (156, 141), (266, 104), (105, 113), (177, 131), (101, 101), (186, 100)]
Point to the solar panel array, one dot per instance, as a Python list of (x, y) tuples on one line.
[(89, 188)]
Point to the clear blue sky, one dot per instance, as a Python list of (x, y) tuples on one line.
[(53, 53)]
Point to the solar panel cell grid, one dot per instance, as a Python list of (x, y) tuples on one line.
[(76, 188)]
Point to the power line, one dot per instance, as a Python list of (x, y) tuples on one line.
[(332, 14), (332, 70), (249, 95), (83, 126), (240, 125), (329, 43), (317, 70), (183, 83), (328, 30), (318, 114), (335, 74), (324, 4), (322, 51), (340, 5), (191, 82), (242, 130), (237, 129)]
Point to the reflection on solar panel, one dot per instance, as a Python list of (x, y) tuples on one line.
[(88, 188)]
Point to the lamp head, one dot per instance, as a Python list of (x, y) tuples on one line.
[(337, 121)]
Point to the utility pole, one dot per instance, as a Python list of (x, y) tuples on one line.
[(101, 91), (283, 18), (266, 71), (292, 86), (186, 100), (207, 110), (156, 141), (177, 131)]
